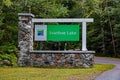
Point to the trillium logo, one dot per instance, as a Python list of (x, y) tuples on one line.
[(40, 32)]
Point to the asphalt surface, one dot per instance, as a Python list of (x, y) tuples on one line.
[(113, 74)]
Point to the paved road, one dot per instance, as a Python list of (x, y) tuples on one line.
[(113, 74)]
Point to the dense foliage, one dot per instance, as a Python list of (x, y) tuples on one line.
[(103, 34)]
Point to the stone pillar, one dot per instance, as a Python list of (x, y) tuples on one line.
[(25, 38)]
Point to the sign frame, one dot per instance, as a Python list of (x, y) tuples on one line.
[(68, 20)]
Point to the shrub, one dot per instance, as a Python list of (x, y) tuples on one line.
[(8, 52)]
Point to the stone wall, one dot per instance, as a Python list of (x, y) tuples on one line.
[(62, 60)]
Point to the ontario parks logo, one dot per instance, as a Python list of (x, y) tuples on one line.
[(40, 32)]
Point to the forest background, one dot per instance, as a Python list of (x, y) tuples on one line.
[(103, 35)]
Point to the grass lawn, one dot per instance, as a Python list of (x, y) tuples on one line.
[(27, 73)]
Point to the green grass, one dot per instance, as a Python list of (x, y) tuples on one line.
[(27, 73)]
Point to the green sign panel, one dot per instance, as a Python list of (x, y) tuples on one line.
[(63, 32)]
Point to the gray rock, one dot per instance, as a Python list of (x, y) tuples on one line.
[(1, 63), (49, 58), (7, 63)]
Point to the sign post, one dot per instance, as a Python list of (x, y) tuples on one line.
[(84, 48)]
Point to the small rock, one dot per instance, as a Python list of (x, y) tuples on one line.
[(1, 63), (7, 63)]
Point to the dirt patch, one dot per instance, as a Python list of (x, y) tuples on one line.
[(90, 77), (73, 78)]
